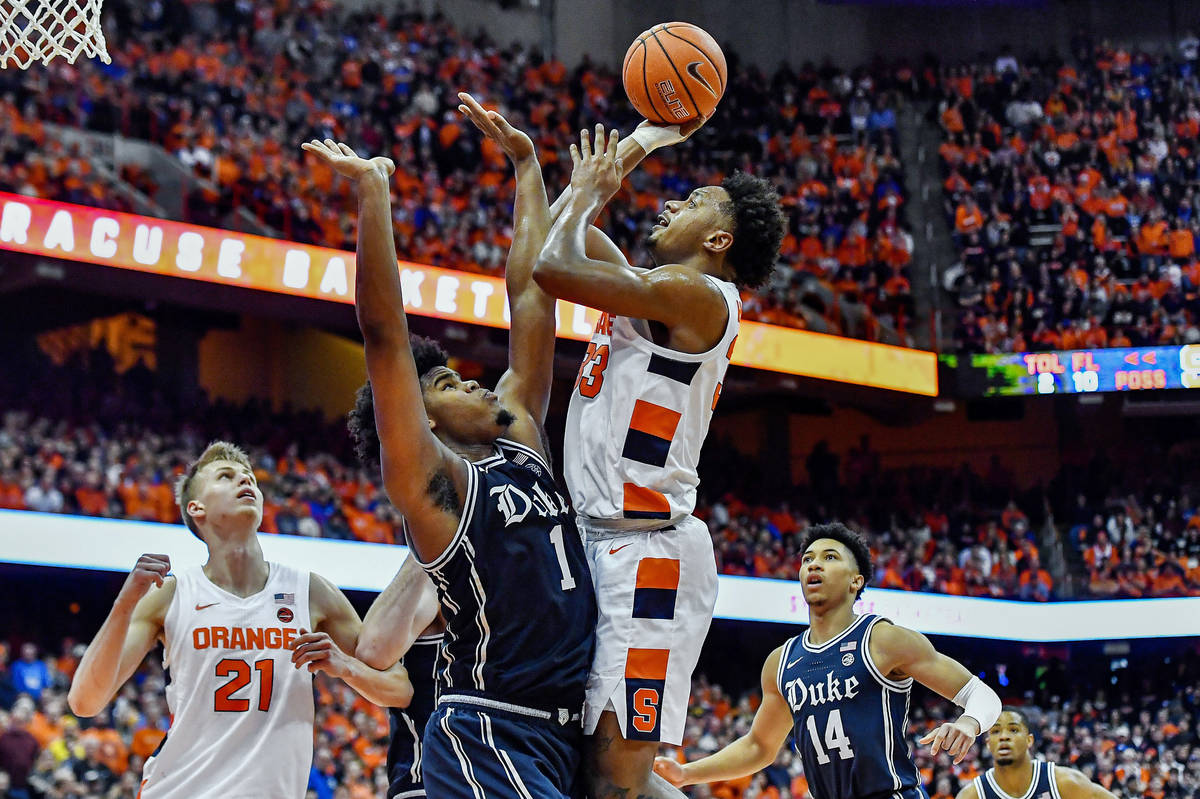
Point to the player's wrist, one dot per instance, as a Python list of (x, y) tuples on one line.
[(653, 137)]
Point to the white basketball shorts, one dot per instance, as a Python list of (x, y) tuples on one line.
[(655, 592)]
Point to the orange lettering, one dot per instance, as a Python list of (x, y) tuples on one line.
[(271, 637), (220, 637), (289, 636), (200, 637), (238, 639), (645, 709), (254, 637)]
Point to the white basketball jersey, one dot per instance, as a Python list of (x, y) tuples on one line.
[(637, 418), (242, 714)]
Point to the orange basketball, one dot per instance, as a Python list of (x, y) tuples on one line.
[(673, 73)]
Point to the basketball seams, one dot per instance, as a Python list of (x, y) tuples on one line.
[(646, 84), (702, 52), (675, 69)]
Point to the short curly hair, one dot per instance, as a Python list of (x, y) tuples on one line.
[(428, 355), (758, 227), (847, 538)]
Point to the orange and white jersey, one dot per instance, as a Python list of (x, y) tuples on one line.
[(242, 714), (637, 419)]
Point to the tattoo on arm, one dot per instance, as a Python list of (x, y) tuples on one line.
[(441, 490)]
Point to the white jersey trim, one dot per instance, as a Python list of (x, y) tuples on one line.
[(464, 762), (990, 776), (804, 640), (514, 777), (783, 656), (892, 685), (464, 522), (530, 451)]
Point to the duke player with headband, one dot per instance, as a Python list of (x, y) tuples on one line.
[(842, 690), (636, 421), (236, 648), (469, 470), (1017, 775), (402, 625)]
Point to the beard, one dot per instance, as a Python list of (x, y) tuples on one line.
[(505, 418), (1005, 761)]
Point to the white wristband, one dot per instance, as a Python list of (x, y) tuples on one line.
[(979, 702), (652, 137)]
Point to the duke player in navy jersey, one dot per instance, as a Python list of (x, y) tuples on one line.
[(1015, 773), (469, 470), (842, 689)]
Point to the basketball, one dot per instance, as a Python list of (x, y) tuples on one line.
[(674, 73)]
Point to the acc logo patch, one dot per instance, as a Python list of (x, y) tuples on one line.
[(847, 659), (285, 615)]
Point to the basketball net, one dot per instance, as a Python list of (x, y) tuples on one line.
[(41, 30)]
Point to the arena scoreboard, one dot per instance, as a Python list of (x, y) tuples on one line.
[(1073, 371)]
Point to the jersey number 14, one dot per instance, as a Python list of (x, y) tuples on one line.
[(835, 737)]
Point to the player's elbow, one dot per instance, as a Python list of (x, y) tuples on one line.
[(82, 705), (371, 652), (548, 270)]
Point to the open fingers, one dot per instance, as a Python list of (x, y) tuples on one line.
[(316, 148), (613, 137), (345, 148), (575, 158), (938, 738)]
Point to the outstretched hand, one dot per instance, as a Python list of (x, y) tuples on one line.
[(670, 770), (597, 170), (345, 161), (955, 737), (515, 143)]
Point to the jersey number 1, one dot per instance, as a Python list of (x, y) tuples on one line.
[(835, 737), (556, 538), (239, 670)]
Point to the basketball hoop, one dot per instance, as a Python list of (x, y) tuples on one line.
[(40, 30)]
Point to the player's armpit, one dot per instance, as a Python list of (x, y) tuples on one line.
[(332, 613), (968, 792)]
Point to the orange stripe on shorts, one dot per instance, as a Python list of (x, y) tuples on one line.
[(646, 664), (654, 420), (638, 498), (658, 573)]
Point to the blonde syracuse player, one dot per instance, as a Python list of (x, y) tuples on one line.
[(236, 648), (636, 421)]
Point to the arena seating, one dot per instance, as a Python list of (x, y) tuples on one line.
[(1135, 743), (1070, 189), (248, 90), (112, 446)]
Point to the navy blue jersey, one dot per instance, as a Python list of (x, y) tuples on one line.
[(515, 589), (1042, 786), (849, 720), (408, 725)]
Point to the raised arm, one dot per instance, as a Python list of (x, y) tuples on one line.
[(127, 635), (899, 652), (525, 387), (566, 269), (406, 607), (416, 466), (749, 754), (336, 630)]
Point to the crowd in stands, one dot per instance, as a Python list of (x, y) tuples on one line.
[(232, 89), (1071, 188), (86, 441), (1136, 736)]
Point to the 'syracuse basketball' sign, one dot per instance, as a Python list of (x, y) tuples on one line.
[(178, 249)]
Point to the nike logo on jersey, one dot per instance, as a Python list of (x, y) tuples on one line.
[(794, 662), (693, 69), (615, 550), (209, 605)]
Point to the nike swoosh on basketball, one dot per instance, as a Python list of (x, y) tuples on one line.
[(209, 605), (615, 550), (693, 69)]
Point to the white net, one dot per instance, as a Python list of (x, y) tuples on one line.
[(41, 30)]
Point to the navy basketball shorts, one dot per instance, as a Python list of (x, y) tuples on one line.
[(472, 752)]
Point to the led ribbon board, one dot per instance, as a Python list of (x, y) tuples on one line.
[(80, 542), (178, 249), (1076, 371)]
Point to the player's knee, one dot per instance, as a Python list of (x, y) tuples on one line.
[(614, 765)]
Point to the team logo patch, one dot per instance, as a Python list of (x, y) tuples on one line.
[(564, 716), (847, 659), (285, 615)]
